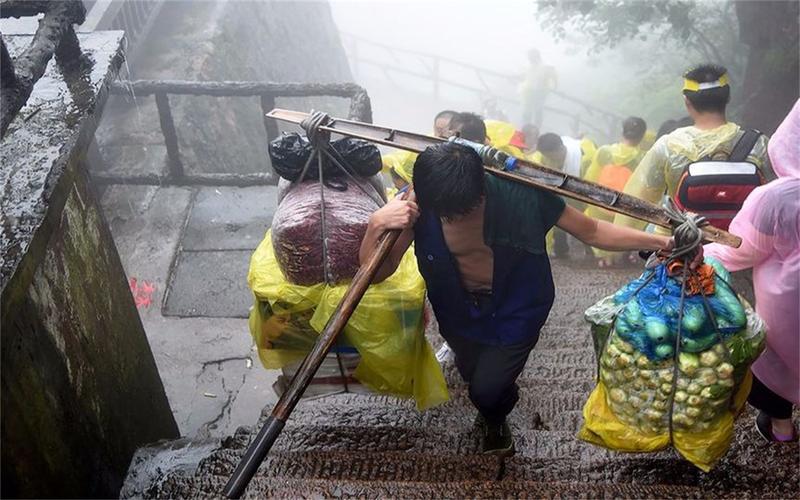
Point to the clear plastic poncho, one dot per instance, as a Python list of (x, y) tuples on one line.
[(660, 170)]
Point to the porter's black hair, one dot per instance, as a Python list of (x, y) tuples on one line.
[(470, 125), (708, 100), (448, 179), (633, 129), (549, 143)]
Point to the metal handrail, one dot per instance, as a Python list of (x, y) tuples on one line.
[(432, 64), (360, 110)]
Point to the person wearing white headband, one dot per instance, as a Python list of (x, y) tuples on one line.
[(706, 92)]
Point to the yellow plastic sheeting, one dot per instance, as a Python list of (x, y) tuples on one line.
[(660, 170), (703, 449), (386, 328), (603, 428)]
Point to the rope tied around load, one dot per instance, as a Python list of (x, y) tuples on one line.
[(311, 126), (321, 148), (686, 230), (320, 141)]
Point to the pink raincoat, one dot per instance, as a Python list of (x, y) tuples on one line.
[(769, 225)]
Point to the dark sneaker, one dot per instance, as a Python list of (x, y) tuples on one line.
[(764, 428), (498, 440)]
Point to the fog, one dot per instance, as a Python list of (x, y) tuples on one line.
[(495, 37)]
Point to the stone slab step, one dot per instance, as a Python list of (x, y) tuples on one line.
[(361, 466), (552, 374), (211, 486), (356, 409), (543, 456)]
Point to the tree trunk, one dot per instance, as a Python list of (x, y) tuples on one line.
[(772, 76)]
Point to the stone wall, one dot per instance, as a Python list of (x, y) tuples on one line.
[(79, 388)]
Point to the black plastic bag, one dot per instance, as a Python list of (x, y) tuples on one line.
[(290, 152)]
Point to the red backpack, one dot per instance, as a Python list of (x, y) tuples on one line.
[(717, 189)]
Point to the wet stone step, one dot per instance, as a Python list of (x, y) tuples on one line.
[(210, 486), (357, 465), (535, 449), (546, 374), (577, 338), (463, 441), (366, 410), (661, 468)]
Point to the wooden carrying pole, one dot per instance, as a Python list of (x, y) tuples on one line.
[(260, 446), (516, 169)]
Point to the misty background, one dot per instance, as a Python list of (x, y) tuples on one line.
[(623, 57)]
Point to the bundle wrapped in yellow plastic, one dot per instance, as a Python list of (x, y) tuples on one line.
[(386, 328), (672, 371)]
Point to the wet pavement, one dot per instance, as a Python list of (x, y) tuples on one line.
[(353, 445), (186, 253)]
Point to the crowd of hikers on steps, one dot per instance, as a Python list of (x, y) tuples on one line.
[(481, 242)]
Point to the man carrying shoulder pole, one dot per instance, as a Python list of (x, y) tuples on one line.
[(480, 245)]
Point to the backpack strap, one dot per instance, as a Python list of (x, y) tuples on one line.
[(744, 145)]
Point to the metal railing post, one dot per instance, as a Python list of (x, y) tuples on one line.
[(170, 136)]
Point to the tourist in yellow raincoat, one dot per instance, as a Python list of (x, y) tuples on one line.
[(611, 167), (505, 137), (706, 94)]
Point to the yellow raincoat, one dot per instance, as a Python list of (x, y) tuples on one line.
[(660, 170), (588, 149), (612, 156), (618, 154), (647, 141), (500, 134), (401, 163)]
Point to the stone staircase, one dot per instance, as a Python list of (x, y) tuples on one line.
[(352, 445)]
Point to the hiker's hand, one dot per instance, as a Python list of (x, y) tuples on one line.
[(397, 214)]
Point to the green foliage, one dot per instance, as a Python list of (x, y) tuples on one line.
[(702, 26), (656, 40)]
